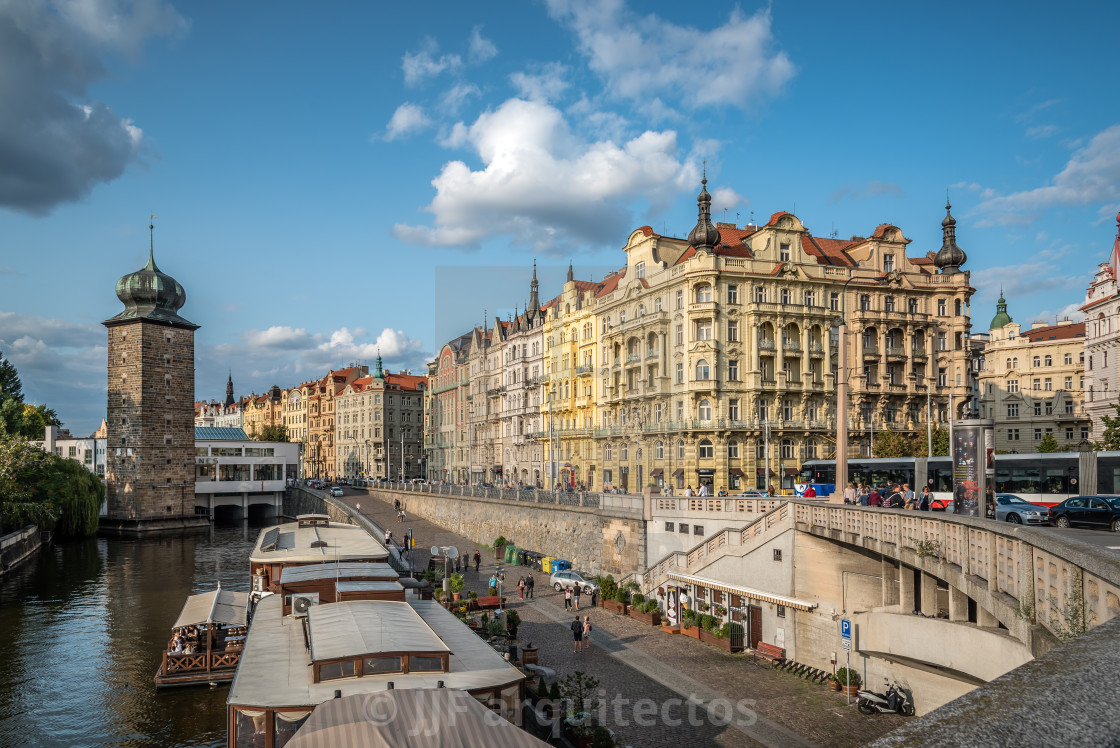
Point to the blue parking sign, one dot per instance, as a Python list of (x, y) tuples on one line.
[(845, 628)]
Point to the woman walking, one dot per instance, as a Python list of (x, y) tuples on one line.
[(586, 633), (521, 586)]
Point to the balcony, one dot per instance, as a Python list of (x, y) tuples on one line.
[(791, 345), (816, 350), (870, 351), (633, 358), (769, 383), (765, 345), (584, 370), (918, 353), (653, 354), (896, 351), (872, 386)]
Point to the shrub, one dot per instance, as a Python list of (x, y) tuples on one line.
[(602, 738), (457, 582), (500, 541), (709, 623), (473, 596), (726, 629), (688, 618), (542, 689), (848, 677), (637, 599), (620, 595), (554, 691), (607, 586)]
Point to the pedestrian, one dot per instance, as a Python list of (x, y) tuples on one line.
[(688, 490), (530, 583), (396, 505), (577, 635), (457, 567), (850, 494), (521, 587), (908, 495), (567, 598), (575, 596), (874, 499), (401, 517), (477, 560), (388, 534), (810, 492), (586, 633), (926, 501), (357, 507), (493, 584)]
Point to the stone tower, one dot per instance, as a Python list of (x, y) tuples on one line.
[(150, 412)]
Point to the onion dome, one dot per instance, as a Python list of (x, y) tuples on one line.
[(950, 257), (704, 235), (1002, 317), (151, 295)]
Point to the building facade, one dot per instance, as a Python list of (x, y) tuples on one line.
[(484, 403), (1032, 383), (89, 451), (446, 415), (1102, 341), (379, 420), (522, 356), (150, 410)]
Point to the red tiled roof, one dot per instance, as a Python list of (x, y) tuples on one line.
[(610, 283), (1055, 332), (828, 251), (1092, 304), (774, 218), (405, 381)]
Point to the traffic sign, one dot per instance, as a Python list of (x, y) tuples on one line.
[(846, 645), (845, 629)]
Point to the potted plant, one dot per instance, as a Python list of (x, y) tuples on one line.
[(849, 681), (577, 688), (513, 621), (645, 610), (689, 623), (457, 583), (473, 600), (703, 606), (833, 684), (499, 548), (607, 588)]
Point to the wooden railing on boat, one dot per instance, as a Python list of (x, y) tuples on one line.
[(180, 664)]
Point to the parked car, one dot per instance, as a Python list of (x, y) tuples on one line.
[(336, 491), (1092, 511), (561, 579), (1019, 511)]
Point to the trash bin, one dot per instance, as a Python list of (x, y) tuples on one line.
[(560, 564), (522, 558), (535, 561), (546, 564), (511, 553)]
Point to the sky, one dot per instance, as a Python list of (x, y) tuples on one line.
[(331, 180)]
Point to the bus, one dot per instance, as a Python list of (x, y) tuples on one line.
[(1046, 478)]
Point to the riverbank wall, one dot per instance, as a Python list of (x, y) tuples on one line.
[(17, 547)]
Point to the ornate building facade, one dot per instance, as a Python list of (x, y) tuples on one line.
[(1102, 341), (446, 414), (379, 424), (522, 357)]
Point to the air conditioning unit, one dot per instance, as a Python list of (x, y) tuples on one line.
[(300, 603)]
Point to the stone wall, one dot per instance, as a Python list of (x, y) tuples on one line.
[(592, 539)]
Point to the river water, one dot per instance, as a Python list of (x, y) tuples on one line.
[(82, 629)]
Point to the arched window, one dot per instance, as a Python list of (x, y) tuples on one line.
[(1008, 363), (703, 294), (702, 369), (1047, 361), (680, 449), (787, 449), (707, 452), (625, 451), (661, 450), (1015, 363), (705, 410), (733, 450), (607, 452)]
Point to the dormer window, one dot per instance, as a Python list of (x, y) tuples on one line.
[(783, 252), (640, 270), (888, 263)]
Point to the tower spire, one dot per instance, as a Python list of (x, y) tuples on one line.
[(704, 235), (151, 243), (950, 257), (534, 305), (571, 274)]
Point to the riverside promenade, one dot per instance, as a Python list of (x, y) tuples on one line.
[(656, 689)]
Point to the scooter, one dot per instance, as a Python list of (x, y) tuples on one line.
[(894, 701)]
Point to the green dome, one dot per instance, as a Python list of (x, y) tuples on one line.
[(1002, 317), (153, 295)]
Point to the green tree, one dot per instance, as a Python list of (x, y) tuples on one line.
[(1110, 440), (41, 488), (940, 442), (11, 417), (272, 434), (1048, 444), (35, 419), (893, 444), (10, 386)]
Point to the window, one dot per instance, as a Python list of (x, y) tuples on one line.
[(1036, 384), (670, 526), (763, 410), (660, 452), (733, 294), (680, 299), (680, 373), (1046, 361), (912, 306), (760, 294), (640, 270), (335, 670), (656, 308), (680, 449), (777, 554), (1013, 435), (1036, 361), (810, 298), (1038, 409), (1038, 435), (704, 330), (1015, 363), (707, 451), (1048, 384), (780, 611), (625, 452), (1068, 360), (680, 334), (705, 410), (785, 296), (683, 528), (607, 452), (381, 665), (787, 449), (942, 378), (733, 370), (656, 412), (888, 263), (941, 308), (704, 294), (942, 342), (702, 369), (1013, 410), (1049, 408), (680, 410), (1069, 407), (787, 410), (733, 450), (864, 302), (733, 332), (733, 409), (1069, 434), (425, 664), (834, 302), (621, 319), (1012, 385), (698, 530)]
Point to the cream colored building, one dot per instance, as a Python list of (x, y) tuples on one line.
[(484, 405), (522, 357), (711, 343), (379, 426), (1032, 383), (1102, 341)]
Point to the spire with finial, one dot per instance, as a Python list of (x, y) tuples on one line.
[(151, 294), (229, 390), (571, 273), (1002, 317), (704, 235), (950, 257), (378, 372), (534, 301), (151, 243)]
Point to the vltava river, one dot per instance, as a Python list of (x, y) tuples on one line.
[(82, 627)]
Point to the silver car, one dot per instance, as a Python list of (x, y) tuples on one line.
[(1019, 511), (567, 578)]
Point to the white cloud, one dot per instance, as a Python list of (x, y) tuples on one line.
[(1071, 312), (1092, 175), (645, 58), (544, 185), (874, 188), (408, 118), (278, 336), (427, 63), (725, 198), (1042, 273), (481, 48), (458, 95), (547, 84), (1041, 131)]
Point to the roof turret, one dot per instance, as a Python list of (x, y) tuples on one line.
[(1002, 317), (950, 257), (150, 294), (704, 235)]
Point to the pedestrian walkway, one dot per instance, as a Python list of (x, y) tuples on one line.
[(677, 677)]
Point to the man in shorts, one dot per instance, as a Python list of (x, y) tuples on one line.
[(577, 634)]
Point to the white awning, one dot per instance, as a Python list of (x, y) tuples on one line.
[(220, 606), (731, 589)]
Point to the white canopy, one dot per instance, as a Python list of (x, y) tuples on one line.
[(220, 606)]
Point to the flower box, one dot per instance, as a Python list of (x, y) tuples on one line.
[(707, 637), (693, 631), (616, 607), (653, 619)]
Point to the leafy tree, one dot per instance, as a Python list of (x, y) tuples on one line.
[(36, 418), (1048, 444), (893, 444), (10, 386), (271, 434), (41, 488), (11, 417), (940, 442), (1111, 438)]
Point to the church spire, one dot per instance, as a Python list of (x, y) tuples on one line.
[(229, 390), (534, 301), (950, 257), (571, 273), (378, 372), (704, 235)]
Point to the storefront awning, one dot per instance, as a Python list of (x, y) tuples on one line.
[(657, 472), (706, 472), (790, 472), (772, 473), (220, 606), (678, 472), (731, 589), (736, 472)]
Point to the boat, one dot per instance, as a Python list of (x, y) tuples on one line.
[(206, 640)]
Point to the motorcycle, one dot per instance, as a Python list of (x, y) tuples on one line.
[(893, 701)]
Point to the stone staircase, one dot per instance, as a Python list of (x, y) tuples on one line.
[(728, 542)]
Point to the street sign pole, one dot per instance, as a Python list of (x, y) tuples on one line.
[(846, 644)]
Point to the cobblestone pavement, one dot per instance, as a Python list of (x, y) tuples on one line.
[(657, 671)]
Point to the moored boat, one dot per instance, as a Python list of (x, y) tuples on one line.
[(206, 640)]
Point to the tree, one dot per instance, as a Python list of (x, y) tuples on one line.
[(893, 444), (1048, 444), (42, 488), (10, 386), (272, 434), (36, 418), (1110, 440)]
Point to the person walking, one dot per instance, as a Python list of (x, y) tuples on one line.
[(400, 517), (477, 560), (586, 633), (567, 598), (874, 499), (575, 596), (926, 500), (530, 583), (864, 495), (850, 494), (577, 635), (521, 587)]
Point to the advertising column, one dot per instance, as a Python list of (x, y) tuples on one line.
[(973, 468)]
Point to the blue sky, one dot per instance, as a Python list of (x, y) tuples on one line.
[(330, 179)]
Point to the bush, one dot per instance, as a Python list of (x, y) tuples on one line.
[(848, 677), (726, 629), (473, 596), (457, 582), (620, 595), (554, 691), (649, 606), (500, 541), (688, 618), (602, 738), (637, 599), (708, 622), (607, 586)]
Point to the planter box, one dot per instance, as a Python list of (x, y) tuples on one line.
[(653, 619), (693, 631), (708, 637), (500, 553), (616, 607), (850, 690)]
